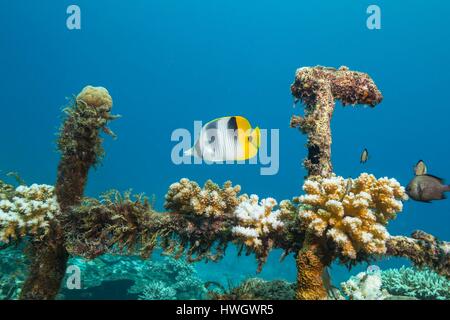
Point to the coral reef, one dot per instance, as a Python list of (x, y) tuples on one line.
[(175, 276), (421, 284), (337, 218), (352, 214)]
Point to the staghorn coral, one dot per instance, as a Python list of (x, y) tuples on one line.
[(352, 214), (27, 211), (187, 197)]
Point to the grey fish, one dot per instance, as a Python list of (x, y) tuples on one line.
[(364, 156), (426, 188), (420, 168)]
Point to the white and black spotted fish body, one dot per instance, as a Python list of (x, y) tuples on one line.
[(226, 139)]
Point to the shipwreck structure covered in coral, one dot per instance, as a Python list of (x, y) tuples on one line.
[(336, 219)]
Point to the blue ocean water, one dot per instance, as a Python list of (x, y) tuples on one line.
[(167, 63)]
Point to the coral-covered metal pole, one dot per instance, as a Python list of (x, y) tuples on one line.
[(318, 88), (80, 147)]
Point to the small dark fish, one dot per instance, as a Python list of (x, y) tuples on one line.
[(426, 188), (364, 156), (420, 168)]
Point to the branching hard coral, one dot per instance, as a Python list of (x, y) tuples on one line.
[(421, 284), (27, 211), (352, 214), (187, 197), (319, 87), (257, 223), (80, 146), (254, 289)]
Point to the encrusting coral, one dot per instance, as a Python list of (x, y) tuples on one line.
[(352, 214)]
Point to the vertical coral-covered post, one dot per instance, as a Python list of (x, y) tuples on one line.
[(318, 88), (80, 146)]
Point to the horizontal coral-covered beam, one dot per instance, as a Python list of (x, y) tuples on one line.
[(423, 249)]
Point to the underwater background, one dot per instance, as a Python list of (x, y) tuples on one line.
[(168, 63)]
